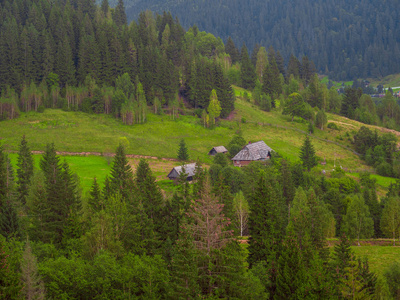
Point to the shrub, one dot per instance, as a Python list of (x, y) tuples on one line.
[(333, 126)]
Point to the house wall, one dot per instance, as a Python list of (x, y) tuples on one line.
[(239, 163)]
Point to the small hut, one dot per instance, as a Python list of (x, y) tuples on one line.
[(189, 170), (218, 149), (252, 152)]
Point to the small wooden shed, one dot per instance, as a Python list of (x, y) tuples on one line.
[(189, 170), (252, 152), (218, 149)]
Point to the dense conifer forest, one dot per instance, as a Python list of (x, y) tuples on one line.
[(256, 232), (345, 39)]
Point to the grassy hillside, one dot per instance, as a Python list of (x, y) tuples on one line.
[(390, 80), (160, 135)]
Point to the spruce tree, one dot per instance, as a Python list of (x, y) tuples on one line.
[(183, 151), (267, 222), (121, 177), (25, 170), (9, 281), (231, 49), (33, 286), (184, 271), (151, 204), (307, 154), (247, 70), (95, 200), (9, 222), (62, 202)]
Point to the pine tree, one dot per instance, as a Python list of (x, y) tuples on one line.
[(119, 14), (290, 280), (231, 49), (267, 222), (9, 282), (95, 200), (183, 151), (121, 177), (272, 84), (151, 202), (247, 71), (9, 222), (184, 271), (210, 232), (307, 154), (62, 201), (25, 170), (33, 287)]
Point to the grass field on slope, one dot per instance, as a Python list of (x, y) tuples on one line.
[(160, 135), (379, 257)]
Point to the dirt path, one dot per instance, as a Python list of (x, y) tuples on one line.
[(64, 153)]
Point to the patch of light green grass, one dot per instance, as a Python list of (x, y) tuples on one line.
[(379, 257)]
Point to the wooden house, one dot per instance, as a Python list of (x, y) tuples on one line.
[(189, 170), (252, 152), (218, 149)]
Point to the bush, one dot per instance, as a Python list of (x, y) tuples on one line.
[(384, 169), (310, 127), (392, 275), (243, 120), (40, 109), (198, 112), (333, 126)]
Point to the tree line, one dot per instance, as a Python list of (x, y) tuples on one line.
[(79, 56), (127, 239)]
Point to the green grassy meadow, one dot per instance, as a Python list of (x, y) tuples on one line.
[(87, 167), (379, 257), (160, 135)]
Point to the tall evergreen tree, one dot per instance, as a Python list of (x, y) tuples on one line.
[(24, 170), (62, 201), (119, 14), (307, 154), (9, 222), (267, 222), (231, 49), (272, 84), (183, 154), (33, 286), (247, 70), (121, 177)]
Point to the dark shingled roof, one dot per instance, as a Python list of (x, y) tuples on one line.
[(219, 149), (189, 170), (254, 151)]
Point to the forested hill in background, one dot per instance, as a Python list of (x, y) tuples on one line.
[(346, 39)]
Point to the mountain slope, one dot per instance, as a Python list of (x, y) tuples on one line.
[(346, 39)]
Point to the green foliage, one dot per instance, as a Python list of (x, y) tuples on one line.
[(392, 276), (390, 221), (9, 281), (358, 222), (183, 154), (294, 106), (333, 126), (321, 119), (121, 176), (307, 154), (214, 107)]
